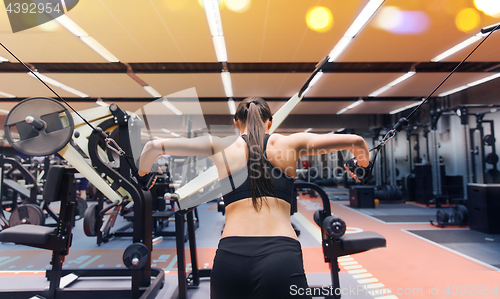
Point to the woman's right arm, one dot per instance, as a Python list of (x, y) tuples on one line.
[(317, 144)]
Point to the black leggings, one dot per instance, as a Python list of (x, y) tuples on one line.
[(257, 268)]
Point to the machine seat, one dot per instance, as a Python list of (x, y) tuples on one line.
[(27, 234), (360, 242)]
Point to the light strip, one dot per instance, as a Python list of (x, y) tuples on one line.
[(171, 133), (392, 84), (152, 91), (3, 59), (226, 81), (232, 106), (100, 102), (405, 107), (358, 102), (84, 36), (96, 46), (469, 85), (171, 107), (59, 84), (363, 17), (313, 81), (458, 47), (71, 26), (7, 95), (220, 48), (308, 130), (354, 29), (4, 111), (215, 24)]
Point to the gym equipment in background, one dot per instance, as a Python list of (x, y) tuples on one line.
[(335, 242), (45, 121), (484, 207)]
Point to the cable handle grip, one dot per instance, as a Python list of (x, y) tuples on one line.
[(401, 124), (99, 133)]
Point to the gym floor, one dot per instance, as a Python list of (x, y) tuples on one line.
[(420, 260)]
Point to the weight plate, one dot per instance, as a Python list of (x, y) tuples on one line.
[(56, 132), (80, 208), (27, 214), (489, 140), (491, 158), (136, 256), (89, 221)]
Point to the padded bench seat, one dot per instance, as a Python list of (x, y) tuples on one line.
[(27, 234), (359, 242), (155, 215)]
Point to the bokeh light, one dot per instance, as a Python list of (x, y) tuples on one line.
[(489, 7), (238, 5), (398, 21), (49, 26), (175, 5), (467, 19), (319, 19)]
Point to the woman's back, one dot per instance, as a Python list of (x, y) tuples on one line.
[(242, 219)]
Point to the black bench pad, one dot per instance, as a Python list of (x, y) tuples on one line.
[(27, 234)]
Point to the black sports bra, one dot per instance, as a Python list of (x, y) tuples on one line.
[(240, 184)]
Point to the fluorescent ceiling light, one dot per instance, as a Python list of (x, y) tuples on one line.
[(59, 84), (144, 134), (406, 107), (232, 106), (84, 36), (171, 107), (339, 48), (356, 26), (226, 81), (71, 26), (340, 130), (308, 130), (213, 17), (316, 78), (392, 84), (100, 102), (96, 46), (152, 91), (363, 17), (458, 47), (497, 75), (4, 111), (171, 133), (220, 48), (215, 24), (3, 59), (7, 95), (358, 102)]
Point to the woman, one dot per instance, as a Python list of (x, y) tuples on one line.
[(259, 255)]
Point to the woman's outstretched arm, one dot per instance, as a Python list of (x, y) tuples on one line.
[(317, 144), (198, 146)]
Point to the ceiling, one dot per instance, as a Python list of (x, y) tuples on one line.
[(271, 53)]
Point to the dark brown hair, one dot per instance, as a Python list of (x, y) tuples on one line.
[(254, 112)]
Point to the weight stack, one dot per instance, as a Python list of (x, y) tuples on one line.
[(484, 207), (362, 196)]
